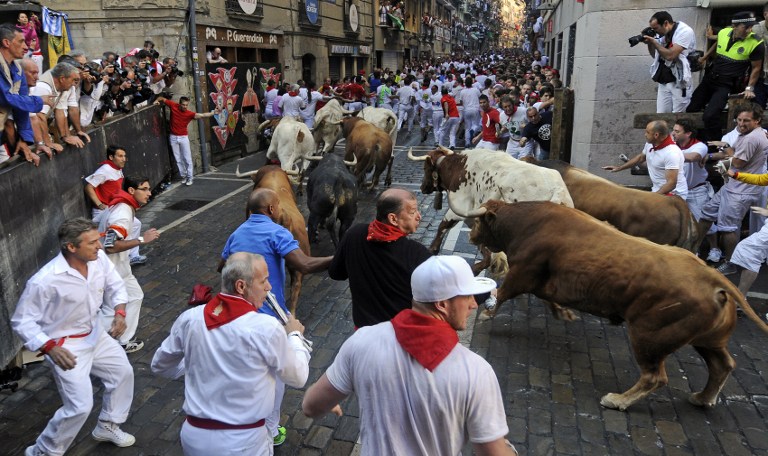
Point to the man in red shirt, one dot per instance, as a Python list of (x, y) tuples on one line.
[(490, 123), (355, 95), (180, 118), (450, 119)]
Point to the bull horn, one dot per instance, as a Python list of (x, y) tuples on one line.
[(291, 172), (477, 212), (262, 125), (313, 158), (445, 149), (415, 158), (353, 162), (249, 173), (338, 122)]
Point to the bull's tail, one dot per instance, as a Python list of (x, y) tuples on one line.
[(731, 292)]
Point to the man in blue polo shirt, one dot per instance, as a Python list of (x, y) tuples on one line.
[(263, 235)]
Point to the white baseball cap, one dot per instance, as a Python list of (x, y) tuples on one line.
[(444, 277)]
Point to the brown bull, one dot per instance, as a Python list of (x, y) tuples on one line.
[(667, 296), (274, 178), (658, 218), (371, 147)]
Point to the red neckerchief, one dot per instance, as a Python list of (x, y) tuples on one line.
[(109, 162), (427, 339), (124, 197), (382, 232), (665, 143), (690, 144), (224, 308), (292, 94)]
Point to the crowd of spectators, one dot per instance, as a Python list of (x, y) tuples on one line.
[(47, 110)]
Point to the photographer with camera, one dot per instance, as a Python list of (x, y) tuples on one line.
[(670, 67), (735, 52)]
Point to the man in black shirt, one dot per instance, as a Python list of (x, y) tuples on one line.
[(735, 53), (378, 259), (538, 128)]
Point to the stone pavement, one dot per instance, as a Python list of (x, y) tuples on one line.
[(552, 373)]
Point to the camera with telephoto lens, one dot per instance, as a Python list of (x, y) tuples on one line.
[(637, 39), (175, 69)]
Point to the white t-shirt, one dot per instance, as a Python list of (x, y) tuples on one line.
[(470, 98), (309, 110), (406, 409), (670, 157), (695, 174), (291, 106)]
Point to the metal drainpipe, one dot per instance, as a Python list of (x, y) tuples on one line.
[(196, 85)]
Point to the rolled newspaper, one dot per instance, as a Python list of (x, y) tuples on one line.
[(271, 302)]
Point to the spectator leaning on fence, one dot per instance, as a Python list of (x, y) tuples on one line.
[(14, 92)]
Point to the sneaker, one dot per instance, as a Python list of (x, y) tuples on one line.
[(280, 437), (111, 432), (727, 268), (138, 259), (33, 451), (714, 255), (133, 345), (189, 182), (183, 180)]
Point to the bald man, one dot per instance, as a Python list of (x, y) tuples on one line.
[(665, 161), (378, 259), (261, 234)]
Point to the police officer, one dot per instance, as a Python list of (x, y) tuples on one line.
[(736, 51)]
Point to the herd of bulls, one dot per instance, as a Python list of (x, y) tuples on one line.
[(571, 238)]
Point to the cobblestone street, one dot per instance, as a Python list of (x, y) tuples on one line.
[(552, 373)]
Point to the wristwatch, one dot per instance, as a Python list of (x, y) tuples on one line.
[(750, 88), (141, 239)]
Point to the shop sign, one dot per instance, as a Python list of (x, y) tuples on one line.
[(354, 21), (352, 50), (248, 6), (235, 36), (312, 10)]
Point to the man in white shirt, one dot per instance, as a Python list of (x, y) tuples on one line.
[(229, 393), (291, 103), (117, 225), (443, 393), (670, 67), (406, 107), (57, 315), (665, 161), (696, 174), (59, 82), (469, 98)]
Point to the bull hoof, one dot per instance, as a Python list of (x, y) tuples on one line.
[(485, 315), (613, 401), (565, 315), (698, 400)]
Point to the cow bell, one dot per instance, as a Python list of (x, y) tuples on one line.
[(438, 203)]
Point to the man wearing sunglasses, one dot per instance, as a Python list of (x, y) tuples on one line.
[(116, 226)]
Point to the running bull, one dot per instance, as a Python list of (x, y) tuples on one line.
[(667, 296), (276, 179), (475, 176), (331, 195), (658, 218), (371, 147)]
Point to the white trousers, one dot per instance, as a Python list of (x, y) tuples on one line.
[(437, 124), (426, 118), (471, 125), (752, 251), (207, 442), (405, 111), (273, 420), (516, 151), (698, 197), (671, 99), (132, 310), (98, 355), (183, 155), (448, 130), (487, 145), (134, 234)]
